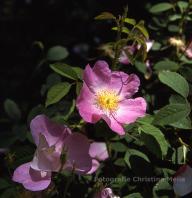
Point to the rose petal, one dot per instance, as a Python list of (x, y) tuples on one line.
[(97, 77), (182, 183), (77, 148), (46, 158), (95, 166), (98, 150), (114, 124), (31, 179), (86, 105), (53, 132), (124, 84), (131, 109)]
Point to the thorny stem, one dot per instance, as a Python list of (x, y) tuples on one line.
[(120, 24)]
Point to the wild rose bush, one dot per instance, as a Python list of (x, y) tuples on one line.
[(116, 127)]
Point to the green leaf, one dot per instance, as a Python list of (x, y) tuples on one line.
[(120, 162), (78, 87), (166, 65), (4, 184), (162, 186), (130, 21), (12, 109), (184, 123), (182, 5), (171, 113), (124, 29), (65, 70), (142, 28), (57, 53), (148, 119), (173, 28), (161, 7), (57, 92), (134, 152), (79, 72), (141, 67), (118, 146), (134, 195), (175, 81), (154, 140), (104, 16), (179, 155), (177, 99), (156, 46)]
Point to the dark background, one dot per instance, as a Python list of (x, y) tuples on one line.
[(53, 22)]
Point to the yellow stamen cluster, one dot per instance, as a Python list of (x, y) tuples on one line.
[(107, 100), (176, 42)]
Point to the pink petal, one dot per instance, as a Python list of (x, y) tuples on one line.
[(124, 84), (77, 148), (53, 132), (114, 124), (97, 77), (130, 109), (98, 150), (95, 166), (31, 179), (46, 158), (182, 183), (105, 193), (149, 44), (86, 105), (123, 56)]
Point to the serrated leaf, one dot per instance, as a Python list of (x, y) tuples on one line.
[(162, 185), (118, 146), (130, 21), (12, 109), (184, 123), (57, 92), (161, 7), (177, 99), (57, 53), (175, 81), (104, 16), (154, 140), (171, 113), (64, 70), (166, 65)]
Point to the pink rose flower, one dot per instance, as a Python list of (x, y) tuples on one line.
[(98, 151), (131, 50), (187, 51), (182, 182), (107, 95), (52, 140), (123, 56), (105, 193)]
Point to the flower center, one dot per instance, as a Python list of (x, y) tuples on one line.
[(107, 100)]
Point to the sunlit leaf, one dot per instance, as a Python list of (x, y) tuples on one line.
[(104, 16)]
